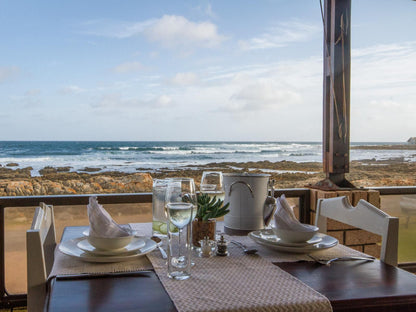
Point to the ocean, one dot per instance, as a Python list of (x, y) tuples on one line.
[(136, 156)]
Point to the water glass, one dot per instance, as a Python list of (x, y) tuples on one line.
[(160, 220), (179, 254), (180, 203)]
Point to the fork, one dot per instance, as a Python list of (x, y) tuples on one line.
[(347, 258), (158, 241)]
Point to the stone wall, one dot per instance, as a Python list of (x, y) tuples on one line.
[(352, 237)]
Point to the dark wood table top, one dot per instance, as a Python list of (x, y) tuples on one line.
[(358, 286), (139, 291), (349, 285)]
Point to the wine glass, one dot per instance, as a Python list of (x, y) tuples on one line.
[(180, 203), (212, 184)]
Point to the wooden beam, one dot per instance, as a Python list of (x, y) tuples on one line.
[(336, 91)]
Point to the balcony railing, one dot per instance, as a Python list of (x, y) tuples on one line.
[(13, 300)]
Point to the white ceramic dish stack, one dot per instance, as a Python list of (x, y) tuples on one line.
[(110, 243), (269, 239), (135, 244), (71, 248), (117, 249), (293, 236)]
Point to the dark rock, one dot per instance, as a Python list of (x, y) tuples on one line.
[(47, 170), (63, 169), (12, 165), (89, 169), (8, 173)]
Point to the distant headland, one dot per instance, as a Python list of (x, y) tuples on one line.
[(412, 140)]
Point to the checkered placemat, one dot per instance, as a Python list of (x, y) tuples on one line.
[(238, 282)]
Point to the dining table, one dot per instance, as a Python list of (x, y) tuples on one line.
[(344, 285)]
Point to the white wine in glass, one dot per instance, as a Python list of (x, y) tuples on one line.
[(180, 213), (212, 184)]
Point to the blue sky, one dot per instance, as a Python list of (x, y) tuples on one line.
[(198, 70)]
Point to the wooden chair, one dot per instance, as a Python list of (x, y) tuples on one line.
[(40, 247), (364, 216)]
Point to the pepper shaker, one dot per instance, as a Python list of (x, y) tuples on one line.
[(222, 247)]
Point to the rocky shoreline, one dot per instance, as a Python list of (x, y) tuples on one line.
[(386, 147), (287, 174)]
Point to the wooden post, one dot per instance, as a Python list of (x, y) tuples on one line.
[(336, 93)]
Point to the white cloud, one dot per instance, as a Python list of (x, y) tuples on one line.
[(170, 31), (29, 99), (385, 50), (384, 104), (264, 94), (71, 89), (154, 54), (112, 101), (129, 67), (115, 29), (32, 92), (384, 67), (115, 102), (382, 91), (161, 101), (183, 79), (208, 10), (8, 72), (205, 10), (282, 35), (176, 31)]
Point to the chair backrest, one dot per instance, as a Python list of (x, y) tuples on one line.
[(364, 216), (40, 247)]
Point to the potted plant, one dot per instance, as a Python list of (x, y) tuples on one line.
[(204, 225)]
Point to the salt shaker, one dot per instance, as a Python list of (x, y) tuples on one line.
[(222, 247), (207, 247)]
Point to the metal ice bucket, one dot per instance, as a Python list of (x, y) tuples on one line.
[(246, 194)]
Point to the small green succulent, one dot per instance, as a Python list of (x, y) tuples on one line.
[(210, 207)]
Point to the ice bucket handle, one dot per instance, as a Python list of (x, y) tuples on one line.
[(242, 182)]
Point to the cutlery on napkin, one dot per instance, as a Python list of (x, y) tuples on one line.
[(285, 218), (102, 224)]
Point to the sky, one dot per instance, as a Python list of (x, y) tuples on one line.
[(235, 70)]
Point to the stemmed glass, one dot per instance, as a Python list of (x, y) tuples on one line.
[(180, 203), (212, 184)]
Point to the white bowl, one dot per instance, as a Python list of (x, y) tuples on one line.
[(291, 236), (110, 243)]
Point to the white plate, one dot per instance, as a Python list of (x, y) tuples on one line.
[(271, 237), (325, 243), (135, 244), (70, 248), (86, 232)]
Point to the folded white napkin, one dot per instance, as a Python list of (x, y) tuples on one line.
[(101, 223), (284, 217)]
